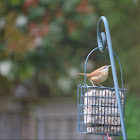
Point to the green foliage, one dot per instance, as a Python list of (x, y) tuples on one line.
[(5, 86), (132, 117), (12, 3), (36, 13), (62, 30), (53, 31)]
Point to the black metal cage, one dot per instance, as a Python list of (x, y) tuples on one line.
[(98, 110)]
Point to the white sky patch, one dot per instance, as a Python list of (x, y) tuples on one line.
[(21, 21), (2, 23), (90, 66), (135, 1), (5, 67), (65, 84), (72, 72), (38, 41)]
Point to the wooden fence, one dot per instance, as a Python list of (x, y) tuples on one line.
[(47, 121)]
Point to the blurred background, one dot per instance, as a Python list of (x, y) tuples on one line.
[(43, 44)]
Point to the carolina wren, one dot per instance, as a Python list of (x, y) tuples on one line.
[(97, 76)]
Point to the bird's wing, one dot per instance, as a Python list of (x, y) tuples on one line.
[(94, 73)]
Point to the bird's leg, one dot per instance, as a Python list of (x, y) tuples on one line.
[(100, 85), (92, 83)]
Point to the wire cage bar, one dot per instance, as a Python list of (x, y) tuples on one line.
[(102, 109)]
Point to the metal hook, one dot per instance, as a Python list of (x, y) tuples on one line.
[(103, 47), (101, 36)]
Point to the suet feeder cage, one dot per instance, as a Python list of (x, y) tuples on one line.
[(101, 109)]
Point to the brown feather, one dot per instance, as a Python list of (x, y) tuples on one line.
[(94, 73)]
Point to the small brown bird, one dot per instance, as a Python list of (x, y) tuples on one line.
[(97, 76)]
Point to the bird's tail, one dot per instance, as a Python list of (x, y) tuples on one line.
[(81, 74)]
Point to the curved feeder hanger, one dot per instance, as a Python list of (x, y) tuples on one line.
[(83, 99)]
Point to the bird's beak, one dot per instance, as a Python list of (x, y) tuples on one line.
[(109, 65)]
